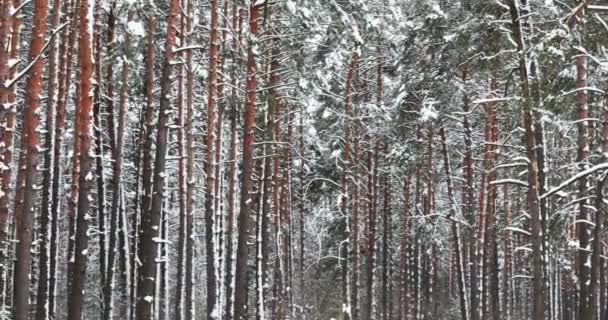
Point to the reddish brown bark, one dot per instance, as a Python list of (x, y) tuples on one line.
[(210, 161), (242, 254), (6, 22), (85, 180), (27, 193)]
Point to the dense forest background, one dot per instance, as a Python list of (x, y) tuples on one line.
[(319, 159)]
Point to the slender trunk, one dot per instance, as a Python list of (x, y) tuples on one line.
[(5, 33), (507, 288), (189, 126), (181, 182), (210, 165), (99, 147)]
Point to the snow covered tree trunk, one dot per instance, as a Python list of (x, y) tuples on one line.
[(344, 188), (242, 254), (178, 310), (231, 174), (85, 176), (117, 166), (468, 199), (507, 287), (190, 182), (46, 218), (26, 193), (597, 281), (532, 195), (582, 269), (5, 92), (99, 146), (146, 141), (210, 244), (460, 269), (151, 217), (405, 255)]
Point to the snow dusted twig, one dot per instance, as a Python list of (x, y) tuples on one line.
[(574, 178)]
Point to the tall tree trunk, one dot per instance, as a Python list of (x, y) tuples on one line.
[(597, 278), (46, 218), (29, 143), (582, 270), (231, 174), (181, 181), (117, 156), (210, 165), (189, 126), (146, 141), (242, 254), (532, 195), (151, 217), (64, 76), (5, 92), (84, 135), (462, 294)]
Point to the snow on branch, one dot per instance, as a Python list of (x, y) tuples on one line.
[(518, 230), (583, 89), (509, 181), (574, 178), (10, 83), (483, 101)]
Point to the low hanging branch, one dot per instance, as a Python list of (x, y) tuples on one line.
[(574, 178)]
